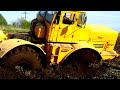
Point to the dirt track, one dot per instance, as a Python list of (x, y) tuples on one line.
[(105, 71)]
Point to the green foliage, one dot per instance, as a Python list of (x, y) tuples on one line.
[(12, 29), (14, 24), (24, 23), (3, 20), (21, 23)]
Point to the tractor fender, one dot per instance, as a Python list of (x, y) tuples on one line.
[(81, 45), (7, 45)]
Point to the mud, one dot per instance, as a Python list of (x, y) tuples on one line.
[(102, 71)]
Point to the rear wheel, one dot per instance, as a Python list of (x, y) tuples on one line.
[(80, 61), (23, 58)]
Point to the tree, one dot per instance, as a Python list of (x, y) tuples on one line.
[(3, 20), (22, 23), (14, 24)]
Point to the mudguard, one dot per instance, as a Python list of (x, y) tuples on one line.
[(82, 45), (7, 45)]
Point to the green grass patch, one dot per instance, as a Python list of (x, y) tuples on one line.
[(12, 29)]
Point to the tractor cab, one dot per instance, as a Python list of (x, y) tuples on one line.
[(65, 23), (58, 26), (41, 24)]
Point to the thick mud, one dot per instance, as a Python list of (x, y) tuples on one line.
[(102, 71)]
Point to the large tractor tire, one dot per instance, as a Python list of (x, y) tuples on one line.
[(79, 62), (23, 56)]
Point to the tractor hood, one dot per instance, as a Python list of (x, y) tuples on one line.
[(100, 28), (102, 34)]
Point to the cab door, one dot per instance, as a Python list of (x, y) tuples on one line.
[(65, 28), (81, 33), (54, 27)]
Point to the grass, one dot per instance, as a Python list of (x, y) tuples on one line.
[(12, 29)]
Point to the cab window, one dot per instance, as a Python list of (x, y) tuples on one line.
[(42, 13), (74, 17), (67, 18), (82, 19), (57, 18), (49, 16)]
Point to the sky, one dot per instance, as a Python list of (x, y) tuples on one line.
[(107, 18), (12, 16)]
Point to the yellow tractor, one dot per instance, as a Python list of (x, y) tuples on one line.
[(60, 38)]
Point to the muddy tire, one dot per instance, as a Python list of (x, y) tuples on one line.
[(23, 56), (80, 61)]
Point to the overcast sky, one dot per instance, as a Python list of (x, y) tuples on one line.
[(108, 18)]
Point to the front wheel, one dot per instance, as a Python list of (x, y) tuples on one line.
[(24, 57)]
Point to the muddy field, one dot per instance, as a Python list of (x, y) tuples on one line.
[(103, 71)]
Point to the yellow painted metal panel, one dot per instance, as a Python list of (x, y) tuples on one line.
[(7, 45)]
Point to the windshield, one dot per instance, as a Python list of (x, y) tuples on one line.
[(47, 14)]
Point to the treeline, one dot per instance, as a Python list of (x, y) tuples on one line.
[(20, 23)]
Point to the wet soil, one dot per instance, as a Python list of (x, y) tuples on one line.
[(102, 71)]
